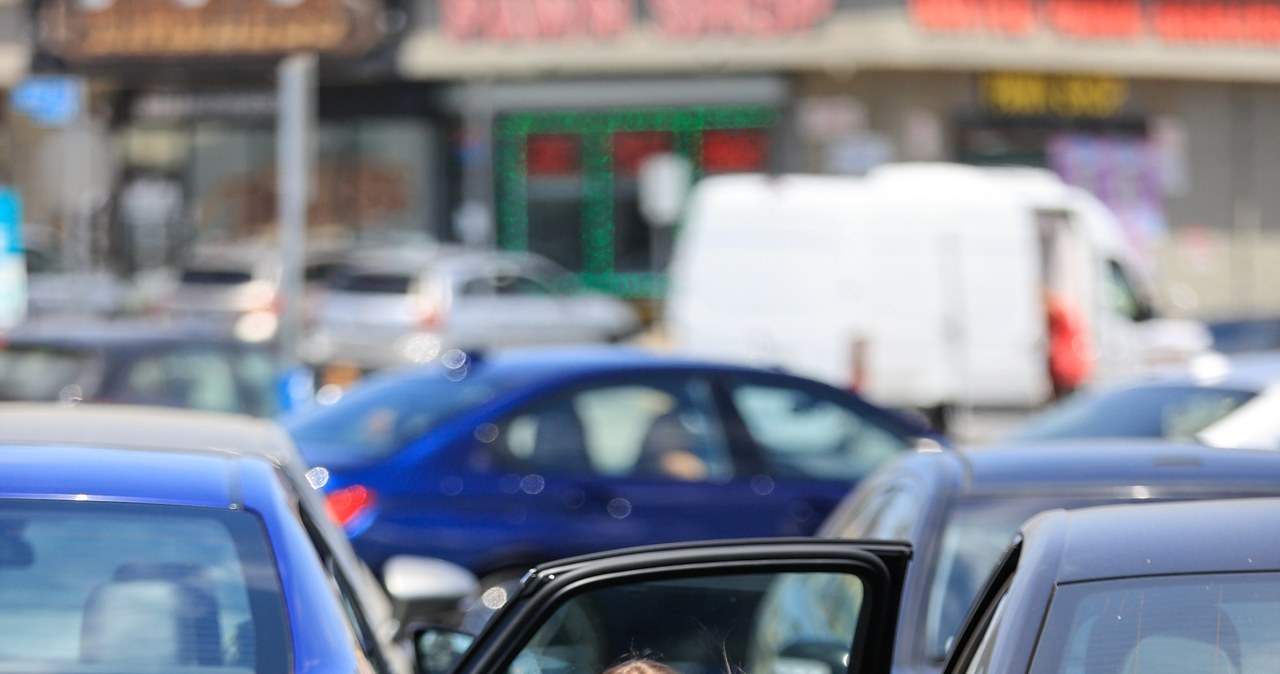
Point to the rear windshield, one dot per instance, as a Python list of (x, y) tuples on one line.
[(212, 277), (1170, 412), (376, 418), (387, 284), (108, 587), (41, 374)]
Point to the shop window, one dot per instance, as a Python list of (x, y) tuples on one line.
[(553, 155)]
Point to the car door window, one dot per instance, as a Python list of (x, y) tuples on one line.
[(657, 427), (756, 622), (806, 432), (196, 378)]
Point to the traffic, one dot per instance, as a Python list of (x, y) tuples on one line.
[(639, 337)]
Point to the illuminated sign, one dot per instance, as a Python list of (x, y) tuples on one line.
[(1181, 21), (546, 20), (1071, 96), (150, 29)]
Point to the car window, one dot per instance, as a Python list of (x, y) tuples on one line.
[(761, 622), (203, 379), (660, 427), (378, 417), (215, 276), (41, 374), (889, 512), (116, 587), (1206, 624), (806, 432), (371, 282), (1172, 412)]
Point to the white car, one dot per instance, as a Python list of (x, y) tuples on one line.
[(1217, 401), (393, 308)]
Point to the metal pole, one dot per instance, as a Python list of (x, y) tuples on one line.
[(295, 120)]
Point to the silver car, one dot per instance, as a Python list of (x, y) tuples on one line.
[(391, 308)]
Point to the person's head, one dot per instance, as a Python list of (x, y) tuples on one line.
[(640, 666)]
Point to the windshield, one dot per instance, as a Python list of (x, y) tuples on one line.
[(1213, 623), (93, 587), (376, 419), (1158, 411)]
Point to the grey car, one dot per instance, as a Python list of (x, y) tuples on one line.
[(392, 308), (959, 509)]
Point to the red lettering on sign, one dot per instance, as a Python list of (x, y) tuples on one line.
[(1262, 22), (1198, 22), (1096, 18), (535, 20), (946, 15), (757, 18)]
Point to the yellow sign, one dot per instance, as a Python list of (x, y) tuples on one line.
[(1030, 95), (134, 29)]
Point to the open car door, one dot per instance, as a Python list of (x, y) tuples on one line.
[(774, 606)]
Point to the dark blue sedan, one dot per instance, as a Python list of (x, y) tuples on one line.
[(500, 462)]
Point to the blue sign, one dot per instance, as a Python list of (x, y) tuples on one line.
[(49, 100), (13, 274)]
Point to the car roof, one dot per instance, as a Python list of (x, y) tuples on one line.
[(92, 473), (569, 361), (145, 428), (1249, 372), (78, 333), (1157, 539), (1078, 465)]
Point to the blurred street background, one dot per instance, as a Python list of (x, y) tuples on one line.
[(145, 157)]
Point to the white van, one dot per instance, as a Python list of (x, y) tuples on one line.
[(921, 284)]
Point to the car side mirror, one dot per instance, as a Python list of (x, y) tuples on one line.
[(438, 649), (426, 588)]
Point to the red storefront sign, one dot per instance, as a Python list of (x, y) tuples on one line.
[(1182, 21), (536, 20), (547, 20)]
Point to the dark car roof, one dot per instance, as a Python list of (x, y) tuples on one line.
[(1157, 539), (1075, 465), (78, 334), (209, 478)]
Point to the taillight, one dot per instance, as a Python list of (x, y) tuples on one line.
[(348, 503), (430, 314)]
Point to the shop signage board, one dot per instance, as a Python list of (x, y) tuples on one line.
[(172, 29), (546, 20), (1066, 96), (52, 101), (1172, 21), (13, 269)]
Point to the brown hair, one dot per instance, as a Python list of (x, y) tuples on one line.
[(640, 666)]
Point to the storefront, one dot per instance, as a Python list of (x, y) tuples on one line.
[(182, 96)]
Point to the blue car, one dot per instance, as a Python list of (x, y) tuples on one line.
[(499, 462), (129, 544)]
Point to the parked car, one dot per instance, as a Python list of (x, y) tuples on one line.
[(138, 539), (231, 290), (959, 509), (1246, 335), (1225, 403), (138, 362), (497, 462), (396, 308), (1140, 589)]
